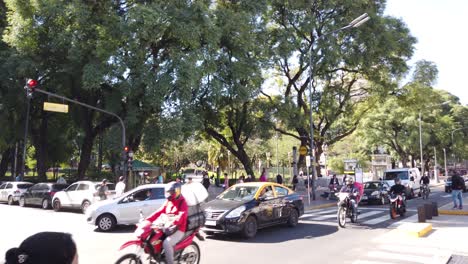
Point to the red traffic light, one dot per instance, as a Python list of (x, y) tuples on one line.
[(126, 148), (32, 83)]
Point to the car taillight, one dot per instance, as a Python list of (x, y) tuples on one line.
[(17, 192), (51, 193)]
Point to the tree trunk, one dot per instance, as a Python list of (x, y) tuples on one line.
[(39, 139), (99, 166), (85, 155), (245, 160), (6, 158)]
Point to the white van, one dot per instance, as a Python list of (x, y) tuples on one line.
[(409, 178)]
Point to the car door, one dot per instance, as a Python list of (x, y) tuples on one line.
[(40, 193), (8, 190), (66, 198), (80, 194), (154, 201), (28, 194), (3, 192), (129, 207), (266, 205), (284, 205)]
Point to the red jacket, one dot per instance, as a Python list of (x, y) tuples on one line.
[(176, 207)]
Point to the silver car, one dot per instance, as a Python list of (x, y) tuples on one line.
[(11, 191)]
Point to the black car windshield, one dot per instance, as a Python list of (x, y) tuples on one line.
[(239, 193), (391, 175), (371, 185), (24, 185)]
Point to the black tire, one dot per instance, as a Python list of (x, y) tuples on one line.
[(354, 217), (341, 217), (57, 205), (106, 222), (84, 206), (129, 258), (10, 200), (45, 204), (393, 213), (190, 254), (22, 202), (293, 218), (250, 227)]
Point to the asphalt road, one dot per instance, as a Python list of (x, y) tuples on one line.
[(316, 239)]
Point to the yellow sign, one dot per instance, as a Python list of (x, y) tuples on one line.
[(303, 150), (61, 108)]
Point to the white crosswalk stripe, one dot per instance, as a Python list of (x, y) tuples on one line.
[(367, 216)]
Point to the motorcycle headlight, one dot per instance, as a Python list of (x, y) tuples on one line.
[(375, 193), (236, 212)]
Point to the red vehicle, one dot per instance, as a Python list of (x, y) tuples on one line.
[(149, 247)]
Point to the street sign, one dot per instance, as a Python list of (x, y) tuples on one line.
[(303, 150), (307, 161), (61, 108)]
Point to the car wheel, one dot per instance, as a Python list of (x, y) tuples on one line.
[(106, 222), (45, 204), (250, 227), (57, 205), (293, 218), (10, 200), (84, 206), (22, 202)]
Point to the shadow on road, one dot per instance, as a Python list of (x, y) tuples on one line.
[(120, 229), (281, 234)]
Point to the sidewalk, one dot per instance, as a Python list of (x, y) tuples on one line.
[(449, 210)]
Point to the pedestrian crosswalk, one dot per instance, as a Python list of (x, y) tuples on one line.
[(367, 216)]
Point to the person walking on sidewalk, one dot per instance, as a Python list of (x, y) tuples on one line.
[(458, 185), (295, 181)]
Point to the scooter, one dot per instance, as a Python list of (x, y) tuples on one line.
[(397, 205), (149, 247)]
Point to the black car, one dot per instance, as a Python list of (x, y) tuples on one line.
[(246, 207), (375, 192), (41, 194), (448, 184)]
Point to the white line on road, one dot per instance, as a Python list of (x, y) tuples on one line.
[(446, 196), (376, 220), (368, 214)]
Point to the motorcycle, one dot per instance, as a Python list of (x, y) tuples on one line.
[(425, 191), (397, 205), (345, 209), (149, 244)]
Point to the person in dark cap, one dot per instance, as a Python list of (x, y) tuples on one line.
[(103, 190), (44, 248)]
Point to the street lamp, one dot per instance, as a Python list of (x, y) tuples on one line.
[(420, 138), (445, 163), (354, 24)]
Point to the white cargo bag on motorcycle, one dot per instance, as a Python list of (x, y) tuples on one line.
[(195, 194)]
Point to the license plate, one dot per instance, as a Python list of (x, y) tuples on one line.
[(210, 223)]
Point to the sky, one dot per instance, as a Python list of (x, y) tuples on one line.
[(440, 27)]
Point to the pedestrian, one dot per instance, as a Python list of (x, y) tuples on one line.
[(18, 178), (160, 178), (189, 180), (179, 179), (279, 179), (206, 181), (120, 186), (344, 179), (103, 190), (226, 181), (44, 248), (295, 181), (458, 185), (241, 179), (263, 177), (248, 178), (61, 180)]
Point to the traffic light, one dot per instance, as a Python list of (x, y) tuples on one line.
[(30, 87), (129, 157)]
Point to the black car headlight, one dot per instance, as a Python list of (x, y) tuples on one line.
[(236, 212)]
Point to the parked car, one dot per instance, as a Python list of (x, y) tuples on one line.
[(11, 191), (448, 184), (41, 194), (80, 195), (409, 178), (375, 192), (125, 210), (245, 207)]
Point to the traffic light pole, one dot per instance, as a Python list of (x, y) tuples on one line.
[(91, 107), (25, 140)]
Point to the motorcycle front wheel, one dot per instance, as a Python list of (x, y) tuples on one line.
[(129, 259), (342, 217), (393, 213), (190, 254)]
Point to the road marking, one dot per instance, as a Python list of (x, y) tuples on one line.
[(364, 215), (323, 217), (376, 220), (321, 211), (447, 195), (399, 257)]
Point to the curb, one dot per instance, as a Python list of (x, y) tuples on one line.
[(415, 229), (452, 212)]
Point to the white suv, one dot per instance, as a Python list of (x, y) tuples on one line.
[(409, 178), (125, 210), (11, 191), (80, 195)]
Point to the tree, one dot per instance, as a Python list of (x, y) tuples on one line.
[(349, 68)]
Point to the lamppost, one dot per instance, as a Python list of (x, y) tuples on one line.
[(277, 164), (354, 24), (29, 88), (420, 137), (445, 163)]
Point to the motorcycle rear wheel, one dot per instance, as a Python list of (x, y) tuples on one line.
[(129, 259), (190, 254), (341, 217)]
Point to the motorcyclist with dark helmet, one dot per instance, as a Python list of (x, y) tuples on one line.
[(398, 188), (175, 210)]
